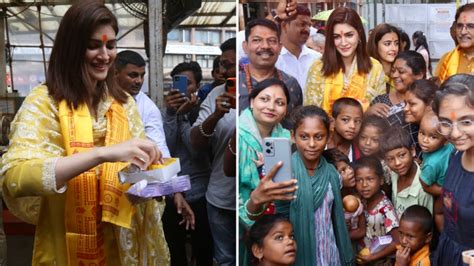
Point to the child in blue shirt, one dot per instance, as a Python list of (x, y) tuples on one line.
[(436, 152)]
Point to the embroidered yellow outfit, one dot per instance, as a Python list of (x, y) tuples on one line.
[(37, 141), (389, 83), (323, 91), (453, 62)]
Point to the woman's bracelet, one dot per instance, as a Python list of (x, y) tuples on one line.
[(229, 146), (204, 133), (253, 215)]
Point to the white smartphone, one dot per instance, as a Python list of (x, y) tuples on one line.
[(395, 109), (274, 151)]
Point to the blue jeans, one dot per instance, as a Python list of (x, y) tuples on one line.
[(222, 224)]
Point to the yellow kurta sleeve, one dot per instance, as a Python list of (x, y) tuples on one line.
[(28, 169), (376, 84), (315, 84), (35, 142)]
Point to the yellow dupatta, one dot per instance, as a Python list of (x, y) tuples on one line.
[(389, 83), (450, 65), (334, 89), (96, 195)]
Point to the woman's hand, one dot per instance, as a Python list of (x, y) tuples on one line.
[(268, 191), (141, 152), (378, 109), (185, 210)]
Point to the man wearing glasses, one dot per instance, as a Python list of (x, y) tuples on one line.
[(461, 58)]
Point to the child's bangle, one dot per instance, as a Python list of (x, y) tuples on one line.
[(253, 215)]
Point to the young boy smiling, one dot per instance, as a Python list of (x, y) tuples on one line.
[(399, 153), (415, 233), (346, 120)]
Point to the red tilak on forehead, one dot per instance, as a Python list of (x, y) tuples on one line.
[(453, 116), (104, 38)]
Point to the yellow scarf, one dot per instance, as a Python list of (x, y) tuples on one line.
[(389, 83), (450, 65), (334, 89), (95, 196)]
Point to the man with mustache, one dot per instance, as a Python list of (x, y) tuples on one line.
[(129, 74), (460, 59), (262, 45), (295, 57)]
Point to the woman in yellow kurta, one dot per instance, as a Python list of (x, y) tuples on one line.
[(383, 45), (345, 69), (68, 142)]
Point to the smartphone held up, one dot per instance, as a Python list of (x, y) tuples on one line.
[(180, 82), (230, 87), (274, 151)]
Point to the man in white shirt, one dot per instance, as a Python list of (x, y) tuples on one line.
[(295, 57), (317, 42), (129, 73), (262, 45)]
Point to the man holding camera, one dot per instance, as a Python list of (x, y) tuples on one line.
[(182, 110), (213, 129)]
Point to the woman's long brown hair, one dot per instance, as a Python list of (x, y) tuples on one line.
[(67, 77), (332, 60)]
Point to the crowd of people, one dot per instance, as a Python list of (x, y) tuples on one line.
[(383, 151), (383, 147)]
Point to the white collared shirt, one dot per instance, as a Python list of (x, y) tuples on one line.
[(412, 195), (153, 122), (240, 49), (297, 67)]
